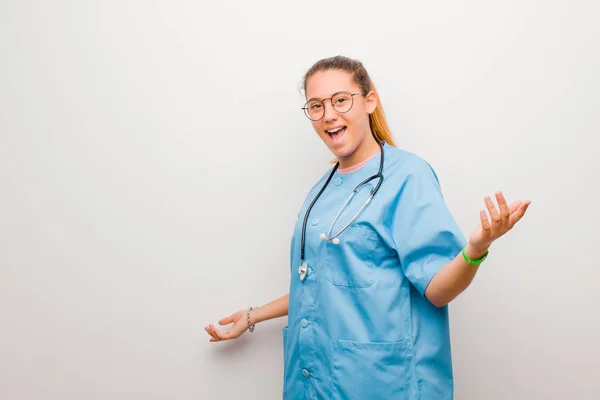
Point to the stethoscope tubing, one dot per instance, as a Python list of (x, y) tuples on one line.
[(378, 175)]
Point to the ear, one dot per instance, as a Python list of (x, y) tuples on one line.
[(371, 101)]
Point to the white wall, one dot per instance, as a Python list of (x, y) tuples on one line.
[(153, 156)]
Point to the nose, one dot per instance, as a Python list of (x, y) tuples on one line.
[(330, 113)]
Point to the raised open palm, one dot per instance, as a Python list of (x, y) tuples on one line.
[(499, 222)]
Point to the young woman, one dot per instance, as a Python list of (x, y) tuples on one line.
[(376, 256)]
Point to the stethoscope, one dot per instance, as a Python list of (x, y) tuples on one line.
[(303, 264)]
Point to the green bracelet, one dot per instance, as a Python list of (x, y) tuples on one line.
[(474, 262)]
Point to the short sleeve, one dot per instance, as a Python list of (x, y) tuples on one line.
[(424, 232)]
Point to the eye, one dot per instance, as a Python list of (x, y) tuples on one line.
[(341, 99), (315, 106)]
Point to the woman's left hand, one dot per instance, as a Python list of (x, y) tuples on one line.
[(501, 222)]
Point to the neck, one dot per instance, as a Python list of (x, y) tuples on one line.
[(365, 150)]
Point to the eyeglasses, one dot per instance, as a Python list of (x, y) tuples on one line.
[(341, 102)]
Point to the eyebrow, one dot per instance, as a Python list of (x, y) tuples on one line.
[(316, 98)]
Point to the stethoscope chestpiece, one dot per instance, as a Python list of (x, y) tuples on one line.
[(302, 269)]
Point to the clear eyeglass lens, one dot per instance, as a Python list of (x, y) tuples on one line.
[(314, 110), (341, 103)]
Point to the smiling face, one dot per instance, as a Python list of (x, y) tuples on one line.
[(347, 134)]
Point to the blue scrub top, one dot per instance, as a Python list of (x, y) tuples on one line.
[(359, 325)]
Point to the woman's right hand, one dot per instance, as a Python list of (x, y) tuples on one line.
[(240, 325), (276, 308)]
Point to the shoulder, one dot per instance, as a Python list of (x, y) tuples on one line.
[(402, 165)]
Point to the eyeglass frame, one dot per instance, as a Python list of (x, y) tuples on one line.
[(322, 101)]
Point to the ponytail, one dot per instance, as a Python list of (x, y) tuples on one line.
[(378, 122)]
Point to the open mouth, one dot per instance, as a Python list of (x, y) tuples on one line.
[(337, 134)]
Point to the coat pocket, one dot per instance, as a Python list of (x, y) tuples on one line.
[(371, 370), (353, 261)]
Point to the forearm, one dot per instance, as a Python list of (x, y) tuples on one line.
[(453, 278), (276, 308)]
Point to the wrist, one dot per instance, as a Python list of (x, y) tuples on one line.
[(255, 315), (250, 318), (476, 252)]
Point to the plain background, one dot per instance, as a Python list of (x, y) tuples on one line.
[(153, 158)]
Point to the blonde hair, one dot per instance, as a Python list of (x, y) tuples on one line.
[(377, 121)]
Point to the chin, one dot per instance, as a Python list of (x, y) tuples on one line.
[(342, 151)]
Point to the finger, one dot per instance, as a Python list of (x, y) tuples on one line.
[(485, 223), (504, 212), (216, 332), (206, 328), (493, 212), (210, 332), (517, 215), (220, 335), (515, 206)]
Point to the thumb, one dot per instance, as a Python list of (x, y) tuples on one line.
[(226, 320)]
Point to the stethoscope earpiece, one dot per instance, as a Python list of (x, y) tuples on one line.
[(334, 240)]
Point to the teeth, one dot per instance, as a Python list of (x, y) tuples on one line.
[(335, 130)]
